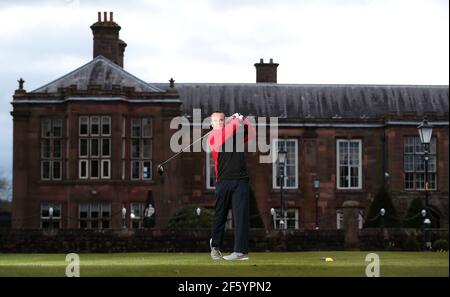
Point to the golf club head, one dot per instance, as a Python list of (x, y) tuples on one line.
[(160, 169)]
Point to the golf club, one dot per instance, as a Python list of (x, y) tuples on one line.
[(160, 167)]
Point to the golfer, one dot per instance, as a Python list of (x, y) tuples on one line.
[(232, 182)]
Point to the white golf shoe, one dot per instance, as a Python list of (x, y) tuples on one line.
[(215, 253), (236, 256)]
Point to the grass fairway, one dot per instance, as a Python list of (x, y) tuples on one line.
[(199, 264)]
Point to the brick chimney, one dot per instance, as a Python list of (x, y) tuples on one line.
[(106, 39), (266, 72)]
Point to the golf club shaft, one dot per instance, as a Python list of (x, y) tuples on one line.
[(185, 148), (161, 164)]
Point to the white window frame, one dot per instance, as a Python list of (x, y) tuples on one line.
[(416, 172), (109, 145), (274, 163), (140, 218), (99, 219), (140, 159), (131, 169), (99, 123), (90, 169), (53, 171), (208, 170), (54, 218), (87, 169), (108, 120), (88, 144), (87, 126), (49, 169), (276, 218), (143, 167), (360, 219), (90, 140), (52, 139), (340, 219), (103, 175), (338, 174)]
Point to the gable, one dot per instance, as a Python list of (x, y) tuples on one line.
[(99, 71)]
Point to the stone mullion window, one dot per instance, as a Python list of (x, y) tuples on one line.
[(414, 164), (136, 215), (95, 215), (349, 164), (48, 219), (51, 149), (291, 216), (94, 147), (141, 149), (291, 166)]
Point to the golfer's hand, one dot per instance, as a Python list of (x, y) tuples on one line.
[(238, 116)]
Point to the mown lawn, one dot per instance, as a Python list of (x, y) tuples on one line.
[(199, 264)]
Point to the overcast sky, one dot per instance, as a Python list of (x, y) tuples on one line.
[(315, 42)]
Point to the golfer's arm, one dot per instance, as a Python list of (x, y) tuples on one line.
[(226, 133)]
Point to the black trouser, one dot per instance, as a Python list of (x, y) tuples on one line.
[(234, 193)]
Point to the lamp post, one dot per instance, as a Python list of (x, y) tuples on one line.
[(282, 163), (384, 236), (274, 217), (425, 132), (316, 186), (424, 217), (382, 213), (198, 211), (124, 213), (50, 214)]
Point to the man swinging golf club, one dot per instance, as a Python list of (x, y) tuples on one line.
[(232, 183)]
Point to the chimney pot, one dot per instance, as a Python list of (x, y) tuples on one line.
[(261, 60), (266, 72), (99, 16), (106, 39)]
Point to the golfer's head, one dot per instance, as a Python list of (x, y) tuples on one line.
[(217, 120)]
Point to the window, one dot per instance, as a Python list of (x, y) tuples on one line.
[(123, 148), (94, 215), (94, 147), (141, 149), (291, 215), (136, 215), (210, 172), (51, 149), (340, 219), (348, 161), (291, 167), (414, 164), (50, 215)]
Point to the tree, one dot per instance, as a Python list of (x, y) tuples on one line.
[(414, 218), (382, 199), (187, 218), (5, 189)]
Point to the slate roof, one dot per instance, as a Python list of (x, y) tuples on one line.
[(313, 101), (99, 71)]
